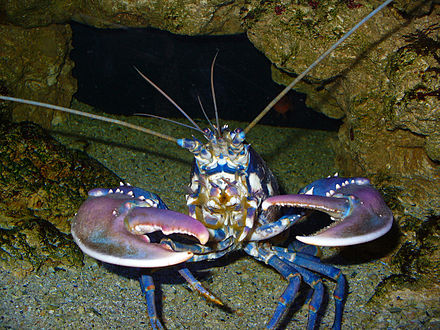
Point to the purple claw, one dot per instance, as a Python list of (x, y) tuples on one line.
[(363, 215), (111, 228)]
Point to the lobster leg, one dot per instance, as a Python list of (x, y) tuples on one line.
[(299, 259), (148, 288), (202, 252), (197, 286), (295, 266), (292, 276), (311, 251), (272, 229), (315, 282)]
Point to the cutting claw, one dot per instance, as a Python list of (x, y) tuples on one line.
[(111, 225), (358, 209)]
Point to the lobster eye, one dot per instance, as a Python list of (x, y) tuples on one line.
[(208, 133), (205, 154), (238, 136)]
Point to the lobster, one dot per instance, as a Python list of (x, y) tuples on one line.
[(233, 204)]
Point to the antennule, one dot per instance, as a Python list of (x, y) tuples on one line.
[(165, 119), (169, 99), (320, 58), (204, 113)]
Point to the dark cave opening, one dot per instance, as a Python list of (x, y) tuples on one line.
[(180, 65)]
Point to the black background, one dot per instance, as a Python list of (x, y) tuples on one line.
[(180, 65)]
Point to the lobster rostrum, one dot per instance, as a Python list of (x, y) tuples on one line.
[(233, 203)]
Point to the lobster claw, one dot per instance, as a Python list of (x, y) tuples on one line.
[(111, 225), (358, 209)]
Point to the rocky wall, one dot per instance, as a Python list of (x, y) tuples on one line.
[(35, 65), (384, 82)]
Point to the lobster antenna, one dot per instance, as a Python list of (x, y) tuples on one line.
[(90, 115), (204, 113), (165, 119), (213, 95), (170, 99), (320, 58)]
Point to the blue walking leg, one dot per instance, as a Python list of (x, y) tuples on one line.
[(339, 292), (147, 287), (197, 286), (315, 282), (333, 273), (314, 264), (287, 271), (297, 246), (289, 294)]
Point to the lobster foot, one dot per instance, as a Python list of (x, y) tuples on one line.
[(111, 226), (360, 213)]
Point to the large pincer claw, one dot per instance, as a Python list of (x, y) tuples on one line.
[(358, 209), (111, 226)]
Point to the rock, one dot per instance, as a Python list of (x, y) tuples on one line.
[(383, 82), (414, 289), (182, 17), (43, 184), (35, 65)]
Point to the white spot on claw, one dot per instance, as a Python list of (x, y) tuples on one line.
[(310, 191)]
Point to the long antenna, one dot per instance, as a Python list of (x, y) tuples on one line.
[(320, 58), (90, 115), (170, 99)]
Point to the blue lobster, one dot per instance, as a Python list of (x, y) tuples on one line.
[(233, 204)]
